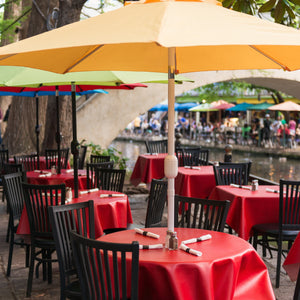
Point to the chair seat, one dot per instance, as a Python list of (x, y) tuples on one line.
[(72, 290), (273, 229)]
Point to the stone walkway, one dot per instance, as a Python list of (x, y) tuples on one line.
[(15, 286)]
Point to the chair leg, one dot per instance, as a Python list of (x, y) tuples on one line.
[(30, 273), (7, 233), (255, 240), (27, 256), (11, 249), (49, 267), (278, 263)]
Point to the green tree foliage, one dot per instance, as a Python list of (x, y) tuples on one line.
[(285, 12)]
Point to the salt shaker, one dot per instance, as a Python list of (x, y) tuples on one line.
[(254, 185), (168, 237), (68, 194), (53, 170), (173, 242)]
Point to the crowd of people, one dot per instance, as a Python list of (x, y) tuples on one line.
[(260, 130)]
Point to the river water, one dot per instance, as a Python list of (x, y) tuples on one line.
[(272, 168)]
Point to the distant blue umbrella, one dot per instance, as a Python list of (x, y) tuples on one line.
[(162, 107), (185, 106), (240, 107)]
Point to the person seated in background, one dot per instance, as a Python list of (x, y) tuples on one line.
[(245, 133)]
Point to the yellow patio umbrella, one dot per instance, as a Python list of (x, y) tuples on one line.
[(161, 36)]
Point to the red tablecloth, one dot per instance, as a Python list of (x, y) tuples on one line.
[(247, 207), (195, 183), (66, 177), (110, 212), (148, 167), (292, 261), (229, 268), (42, 160)]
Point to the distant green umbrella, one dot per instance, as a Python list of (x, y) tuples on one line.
[(26, 77), (203, 107)]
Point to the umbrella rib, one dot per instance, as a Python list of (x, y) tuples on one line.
[(272, 59), (83, 58)]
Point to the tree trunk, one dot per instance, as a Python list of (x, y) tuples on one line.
[(20, 134)]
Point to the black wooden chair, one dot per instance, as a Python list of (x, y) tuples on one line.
[(249, 164), (52, 158), (226, 174), (156, 203), (96, 261), (64, 218), (37, 200), (94, 159), (29, 161), (160, 146), (12, 184), (81, 157), (91, 172), (4, 157), (200, 213), (192, 156), (110, 179), (288, 226)]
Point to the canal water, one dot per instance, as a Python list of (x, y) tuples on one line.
[(272, 168)]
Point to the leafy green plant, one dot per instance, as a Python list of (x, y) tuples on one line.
[(115, 155)]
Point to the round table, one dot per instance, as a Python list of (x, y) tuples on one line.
[(229, 267), (66, 176)]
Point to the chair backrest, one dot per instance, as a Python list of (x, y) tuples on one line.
[(160, 146), (12, 185), (81, 157), (52, 158), (91, 172), (64, 218), (29, 161), (249, 164), (94, 159), (110, 179), (37, 200), (156, 202), (12, 168), (289, 205), (226, 174), (200, 213), (192, 157), (4, 157), (104, 272)]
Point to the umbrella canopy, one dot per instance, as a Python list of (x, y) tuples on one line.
[(204, 107), (146, 30), (240, 107), (260, 106), (21, 76), (184, 106), (25, 93), (161, 36), (286, 106), (159, 107), (223, 106)]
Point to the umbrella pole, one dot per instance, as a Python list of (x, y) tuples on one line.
[(171, 163), (37, 130), (58, 136), (74, 143)]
